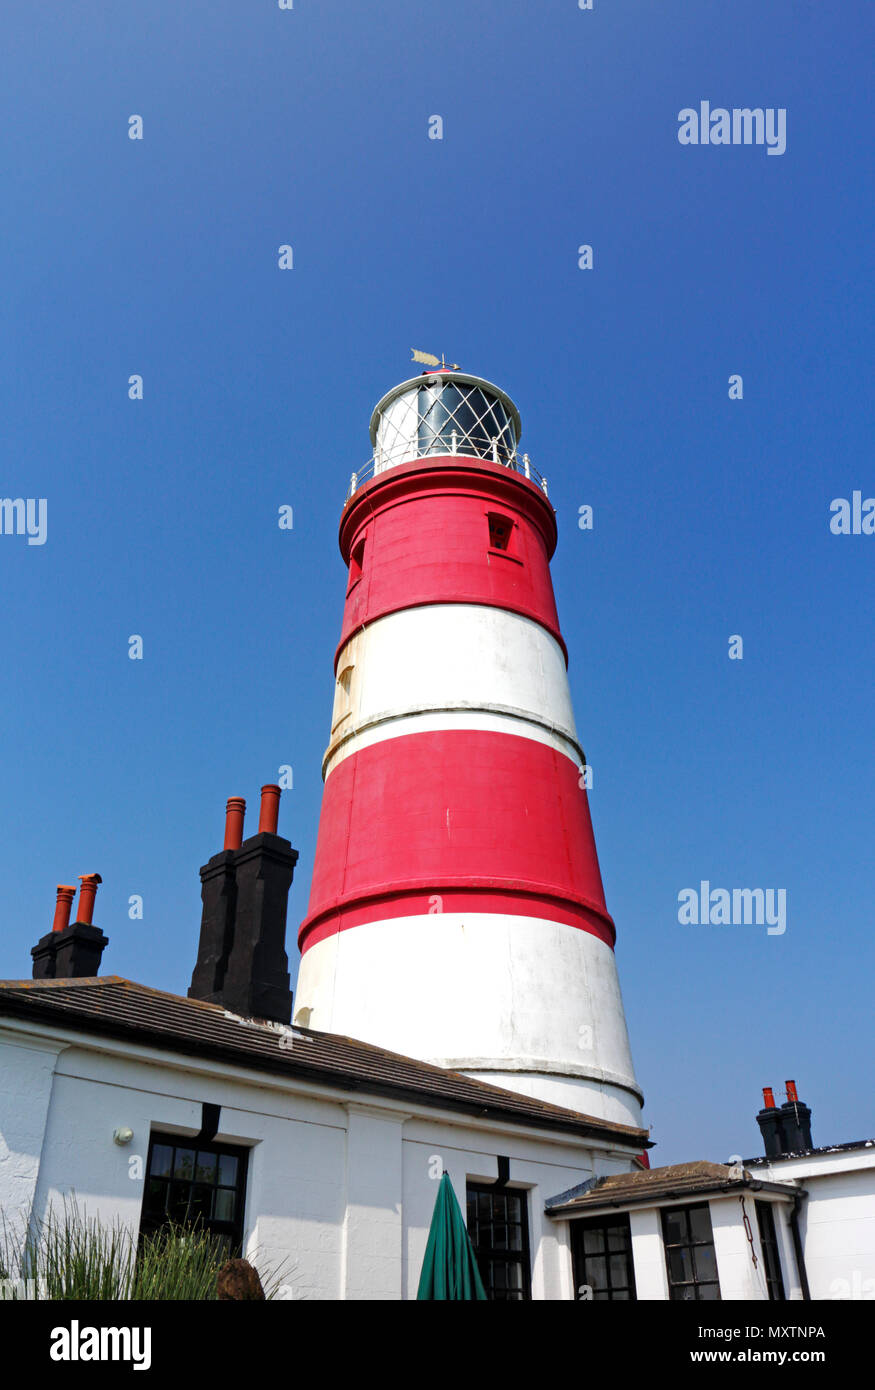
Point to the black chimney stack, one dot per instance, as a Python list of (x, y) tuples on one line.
[(797, 1121), (242, 962), (71, 951), (785, 1129), (219, 896)]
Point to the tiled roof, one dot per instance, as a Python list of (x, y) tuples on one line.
[(649, 1186), (118, 1008)]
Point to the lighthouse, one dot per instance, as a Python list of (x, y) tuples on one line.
[(457, 913)]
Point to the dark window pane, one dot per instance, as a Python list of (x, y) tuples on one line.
[(206, 1167), (177, 1206), (674, 1226), (700, 1223), (514, 1276), (597, 1272), (705, 1263), (680, 1265), (709, 1293), (224, 1204), (227, 1170), (463, 417), (594, 1241), (618, 1237), (154, 1198), (201, 1203), (162, 1158), (617, 1266), (184, 1165)]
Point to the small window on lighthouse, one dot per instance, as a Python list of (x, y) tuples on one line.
[(500, 528), (356, 560), (342, 701)]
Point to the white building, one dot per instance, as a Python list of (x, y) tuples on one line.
[(317, 1154)]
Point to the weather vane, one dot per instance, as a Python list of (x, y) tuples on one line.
[(429, 360)]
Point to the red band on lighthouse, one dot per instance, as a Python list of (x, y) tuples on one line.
[(493, 820), (428, 539)]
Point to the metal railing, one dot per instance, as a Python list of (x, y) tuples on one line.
[(516, 463)]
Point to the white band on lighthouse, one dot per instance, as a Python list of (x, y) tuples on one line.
[(455, 665), (516, 1001)]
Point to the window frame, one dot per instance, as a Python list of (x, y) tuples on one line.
[(494, 521), (579, 1256), (357, 562), (232, 1230), (771, 1247), (485, 1255), (675, 1289)]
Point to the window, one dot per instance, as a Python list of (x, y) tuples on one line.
[(771, 1254), (342, 697), (601, 1251), (456, 418), (498, 1224), (500, 528), (689, 1254), (203, 1186), (356, 560)]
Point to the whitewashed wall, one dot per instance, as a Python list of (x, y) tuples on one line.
[(837, 1221), (340, 1188), (837, 1227), (740, 1278)]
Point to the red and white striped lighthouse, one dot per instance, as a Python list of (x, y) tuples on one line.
[(457, 912)]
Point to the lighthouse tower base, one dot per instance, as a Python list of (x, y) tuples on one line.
[(476, 992)]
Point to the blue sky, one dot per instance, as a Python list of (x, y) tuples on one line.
[(711, 516)]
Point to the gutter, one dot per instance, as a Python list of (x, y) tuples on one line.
[(797, 1244)]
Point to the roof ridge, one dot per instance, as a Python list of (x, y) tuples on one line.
[(78, 981)]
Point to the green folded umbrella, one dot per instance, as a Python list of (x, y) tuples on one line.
[(449, 1268)]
